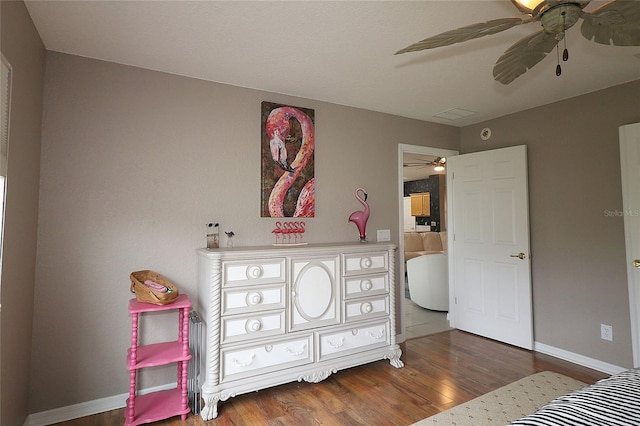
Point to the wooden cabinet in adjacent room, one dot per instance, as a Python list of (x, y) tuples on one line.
[(421, 204)]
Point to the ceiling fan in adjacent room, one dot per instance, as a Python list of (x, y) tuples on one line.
[(438, 163), (615, 23)]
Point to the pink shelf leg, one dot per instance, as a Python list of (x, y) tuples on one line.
[(185, 396), (184, 370), (132, 376), (181, 340), (185, 332), (180, 325)]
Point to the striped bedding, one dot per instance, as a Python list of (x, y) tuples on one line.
[(614, 401)]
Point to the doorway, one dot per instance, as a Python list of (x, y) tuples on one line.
[(404, 152)]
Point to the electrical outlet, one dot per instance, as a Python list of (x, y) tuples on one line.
[(606, 332), (384, 235)]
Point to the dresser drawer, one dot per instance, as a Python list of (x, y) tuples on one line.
[(371, 307), (246, 361), (360, 286), (350, 340), (253, 272), (366, 263), (253, 299), (243, 327)]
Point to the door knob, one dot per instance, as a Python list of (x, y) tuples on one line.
[(519, 255), (636, 263)]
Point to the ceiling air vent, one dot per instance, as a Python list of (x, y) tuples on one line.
[(454, 114)]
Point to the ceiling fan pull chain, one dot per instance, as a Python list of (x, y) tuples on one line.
[(558, 67), (565, 53)]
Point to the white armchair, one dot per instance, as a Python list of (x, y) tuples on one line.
[(428, 281)]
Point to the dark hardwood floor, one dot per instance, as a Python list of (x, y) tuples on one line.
[(441, 371)]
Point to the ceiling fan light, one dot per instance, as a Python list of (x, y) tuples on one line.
[(527, 6)]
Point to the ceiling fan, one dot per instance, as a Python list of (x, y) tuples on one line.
[(616, 22), (438, 164)]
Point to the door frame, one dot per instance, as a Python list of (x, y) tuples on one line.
[(413, 149), (627, 132)]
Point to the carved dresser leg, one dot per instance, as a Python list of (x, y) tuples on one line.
[(394, 358), (210, 409)]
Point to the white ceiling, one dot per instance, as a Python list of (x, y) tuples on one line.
[(340, 52)]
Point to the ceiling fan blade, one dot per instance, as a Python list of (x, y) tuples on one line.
[(418, 164), (523, 56), (617, 23), (468, 32)]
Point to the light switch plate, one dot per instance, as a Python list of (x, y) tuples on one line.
[(384, 235)]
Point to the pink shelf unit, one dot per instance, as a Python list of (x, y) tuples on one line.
[(167, 403)]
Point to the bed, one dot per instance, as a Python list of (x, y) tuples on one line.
[(613, 401)]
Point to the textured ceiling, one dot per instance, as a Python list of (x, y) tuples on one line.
[(340, 52)]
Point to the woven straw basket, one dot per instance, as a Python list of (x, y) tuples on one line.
[(148, 295)]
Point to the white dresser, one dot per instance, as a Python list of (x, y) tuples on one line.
[(275, 315)]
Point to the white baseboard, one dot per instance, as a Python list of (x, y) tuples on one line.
[(88, 408), (578, 359)]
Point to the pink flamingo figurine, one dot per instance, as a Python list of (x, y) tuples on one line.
[(360, 217), (302, 226), (277, 231), (287, 231)]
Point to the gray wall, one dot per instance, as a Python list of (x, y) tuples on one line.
[(578, 256), (134, 164), (22, 47)]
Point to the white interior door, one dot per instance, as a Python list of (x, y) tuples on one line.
[(490, 270), (630, 169)]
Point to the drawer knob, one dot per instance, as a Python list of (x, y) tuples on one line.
[(253, 325), (254, 272), (254, 298), (365, 263), (366, 308), (366, 285)]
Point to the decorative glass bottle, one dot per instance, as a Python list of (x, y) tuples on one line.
[(230, 235)]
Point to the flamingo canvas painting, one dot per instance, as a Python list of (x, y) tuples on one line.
[(287, 161)]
